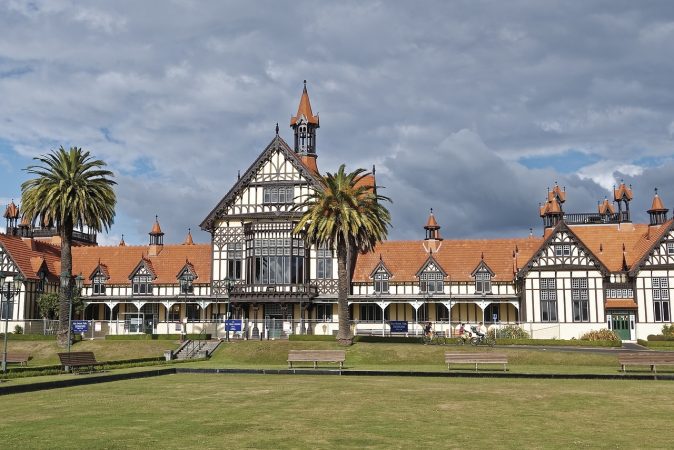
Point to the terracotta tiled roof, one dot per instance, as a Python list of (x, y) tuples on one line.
[(121, 242), (620, 303), (121, 261), (622, 192), (558, 193), (29, 254), (456, 257), (606, 242), (605, 207), (649, 238), (12, 211), (304, 109)]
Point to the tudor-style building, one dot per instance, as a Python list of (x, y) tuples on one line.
[(587, 271)]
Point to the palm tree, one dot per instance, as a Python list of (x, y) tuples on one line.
[(71, 190), (345, 214)]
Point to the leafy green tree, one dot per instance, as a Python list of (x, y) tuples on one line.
[(72, 189), (345, 214), (48, 304)]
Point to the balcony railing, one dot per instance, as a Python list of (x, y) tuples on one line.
[(77, 235), (273, 290), (596, 218)]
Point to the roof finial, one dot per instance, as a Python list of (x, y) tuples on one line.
[(656, 191), (374, 169), (305, 85), (238, 174), (482, 255), (276, 128)]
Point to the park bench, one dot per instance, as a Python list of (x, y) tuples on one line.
[(651, 358), (316, 356), (21, 358), (476, 358), (78, 360)]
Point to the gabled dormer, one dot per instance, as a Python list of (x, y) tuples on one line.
[(431, 277), (99, 278), (142, 276), (482, 274), (186, 277), (380, 277)]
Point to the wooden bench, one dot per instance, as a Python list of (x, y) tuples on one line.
[(476, 358), (78, 359), (651, 358), (21, 358), (316, 356)]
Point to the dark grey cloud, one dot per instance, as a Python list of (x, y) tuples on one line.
[(446, 98)]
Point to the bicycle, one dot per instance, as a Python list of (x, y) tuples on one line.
[(482, 340), (437, 338)]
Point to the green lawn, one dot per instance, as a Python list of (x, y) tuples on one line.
[(411, 357), (273, 411)]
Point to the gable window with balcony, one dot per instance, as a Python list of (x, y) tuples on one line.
[(580, 300), (381, 278), (483, 281), (660, 292), (278, 194), (276, 260), (548, 300)]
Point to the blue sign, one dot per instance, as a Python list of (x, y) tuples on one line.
[(495, 317), (233, 325), (80, 326), (398, 326)]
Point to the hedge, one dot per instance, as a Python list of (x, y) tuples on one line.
[(389, 339), (559, 342), (657, 344), (154, 337), (311, 337), (660, 337), (29, 337)]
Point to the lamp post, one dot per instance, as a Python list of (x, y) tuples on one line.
[(78, 285), (8, 293), (229, 284), (186, 287)]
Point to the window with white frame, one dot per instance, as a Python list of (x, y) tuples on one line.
[(562, 250), (580, 299), (142, 284), (381, 278), (548, 300), (482, 281), (431, 282), (370, 312), (324, 312), (323, 262), (278, 194), (619, 293), (660, 291), (98, 284), (441, 312), (234, 260), (670, 248)]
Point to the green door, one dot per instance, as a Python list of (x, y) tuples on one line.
[(621, 325)]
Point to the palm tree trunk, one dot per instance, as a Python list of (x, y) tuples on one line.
[(344, 333), (65, 291)]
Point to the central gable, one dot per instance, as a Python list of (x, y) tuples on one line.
[(563, 249), (269, 186)]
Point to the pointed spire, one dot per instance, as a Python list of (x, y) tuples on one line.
[(122, 243), (304, 110), (156, 235), (188, 238), (432, 228), (658, 212), (12, 211), (156, 229), (276, 128)]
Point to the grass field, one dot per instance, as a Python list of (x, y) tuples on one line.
[(277, 411)]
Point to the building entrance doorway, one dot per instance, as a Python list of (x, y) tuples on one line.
[(621, 323), (274, 318)]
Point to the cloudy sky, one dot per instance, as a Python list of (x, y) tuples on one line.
[(473, 108)]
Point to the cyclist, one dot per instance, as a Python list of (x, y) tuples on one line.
[(481, 331), (464, 333), (428, 331)]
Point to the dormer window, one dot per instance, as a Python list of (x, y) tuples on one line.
[(186, 286), (142, 284), (381, 278), (431, 282), (483, 282), (98, 284), (41, 282)]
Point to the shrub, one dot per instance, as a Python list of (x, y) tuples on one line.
[(600, 335), (509, 332), (18, 329), (311, 337), (389, 339), (660, 337), (668, 330)]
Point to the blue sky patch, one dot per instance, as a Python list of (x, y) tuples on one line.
[(568, 162)]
